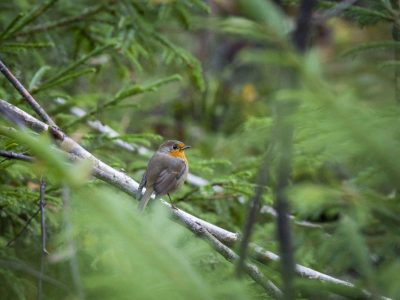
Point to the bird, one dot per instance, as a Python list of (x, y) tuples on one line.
[(166, 172)]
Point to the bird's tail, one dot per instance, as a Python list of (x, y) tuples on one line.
[(145, 199)]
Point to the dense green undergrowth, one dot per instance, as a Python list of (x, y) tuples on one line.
[(212, 76)]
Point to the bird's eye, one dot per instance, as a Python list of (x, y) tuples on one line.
[(175, 147)]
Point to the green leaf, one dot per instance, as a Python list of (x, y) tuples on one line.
[(67, 77), (372, 46), (11, 25), (30, 17), (65, 72), (27, 45), (37, 77), (125, 93)]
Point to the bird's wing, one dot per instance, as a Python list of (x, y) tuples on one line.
[(168, 179)]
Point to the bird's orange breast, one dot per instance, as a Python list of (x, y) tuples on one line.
[(179, 154)]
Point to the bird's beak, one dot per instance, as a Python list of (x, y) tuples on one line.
[(186, 147)]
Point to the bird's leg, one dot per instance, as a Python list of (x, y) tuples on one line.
[(170, 202)]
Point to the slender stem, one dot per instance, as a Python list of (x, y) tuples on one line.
[(26, 95), (253, 209), (301, 35), (24, 228), (18, 156), (285, 133), (44, 252), (42, 204), (64, 21), (396, 37), (334, 11)]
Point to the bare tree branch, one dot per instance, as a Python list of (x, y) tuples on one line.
[(267, 257), (42, 204), (43, 236), (26, 95), (18, 156)]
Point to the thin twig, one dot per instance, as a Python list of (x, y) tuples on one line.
[(135, 90), (63, 22), (396, 37), (42, 204), (334, 11), (26, 95), (15, 155), (24, 228), (30, 17), (284, 141)]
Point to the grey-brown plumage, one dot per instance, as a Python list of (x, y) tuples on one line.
[(165, 173)]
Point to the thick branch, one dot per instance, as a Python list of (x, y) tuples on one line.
[(267, 257), (26, 95)]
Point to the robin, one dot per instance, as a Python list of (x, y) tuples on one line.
[(165, 173)]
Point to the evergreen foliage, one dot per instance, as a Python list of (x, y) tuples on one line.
[(212, 74)]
